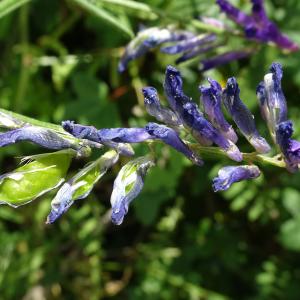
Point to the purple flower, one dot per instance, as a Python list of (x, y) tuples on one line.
[(242, 116), (271, 98), (38, 135), (224, 58), (231, 174), (257, 25), (170, 137), (127, 186), (189, 44), (211, 98), (155, 109), (289, 147), (148, 39), (80, 186)]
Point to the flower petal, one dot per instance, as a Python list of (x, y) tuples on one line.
[(231, 174)]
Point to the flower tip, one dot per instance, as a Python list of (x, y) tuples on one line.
[(170, 70), (149, 92), (260, 144), (121, 67), (67, 125), (117, 216)]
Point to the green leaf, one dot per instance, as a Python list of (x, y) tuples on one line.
[(141, 9), (290, 234), (291, 201), (94, 8), (44, 173), (7, 6)]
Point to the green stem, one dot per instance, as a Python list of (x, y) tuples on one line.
[(215, 153)]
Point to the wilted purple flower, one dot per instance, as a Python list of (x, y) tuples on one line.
[(257, 25), (127, 186), (155, 109), (224, 58), (242, 116), (170, 137), (231, 174), (211, 98), (289, 147), (189, 44), (271, 98), (148, 39), (38, 135), (80, 186)]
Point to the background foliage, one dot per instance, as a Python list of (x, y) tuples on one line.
[(180, 240)]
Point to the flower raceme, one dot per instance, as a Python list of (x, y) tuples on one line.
[(182, 126), (186, 45)]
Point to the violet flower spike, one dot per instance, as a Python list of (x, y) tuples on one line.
[(231, 174), (127, 186), (170, 137), (224, 58), (211, 98), (289, 147), (242, 116), (148, 39), (155, 109)]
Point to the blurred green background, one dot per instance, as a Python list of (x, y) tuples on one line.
[(58, 61)]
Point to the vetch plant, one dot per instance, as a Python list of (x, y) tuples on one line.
[(183, 126)]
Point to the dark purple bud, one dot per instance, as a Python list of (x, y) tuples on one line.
[(38, 135), (224, 58), (81, 131), (211, 98), (155, 109), (148, 39), (231, 174), (234, 13), (189, 44), (242, 116), (171, 138), (258, 11), (289, 147)]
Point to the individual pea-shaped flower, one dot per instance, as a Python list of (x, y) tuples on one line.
[(170, 137), (289, 147), (148, 39), (127, 186), (173, 87), (80, 186), (92, 134), (231, 174), (242, 116), (211, 98), (271, 98), (41, 136), (155, 109)]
